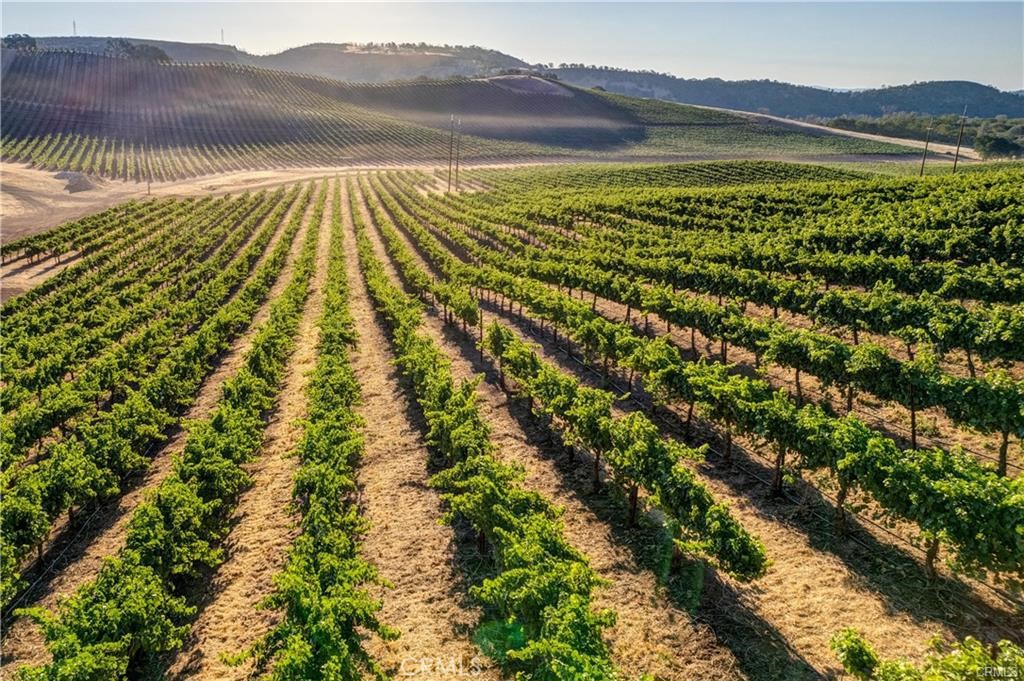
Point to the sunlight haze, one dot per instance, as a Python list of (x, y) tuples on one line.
[(837, 45)]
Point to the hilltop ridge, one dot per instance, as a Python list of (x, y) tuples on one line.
[(386, 62), (135, 119), (373, 63)]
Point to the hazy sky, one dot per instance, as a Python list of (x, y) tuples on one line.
[(844, 45)]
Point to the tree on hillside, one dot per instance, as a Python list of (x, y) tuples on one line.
[(19, 41), (119, 47)]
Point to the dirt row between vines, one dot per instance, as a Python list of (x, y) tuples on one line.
[(653, 634), (994, 609), (935, 428), (413, 551), (810, 592), (81, 557), (993, 612), (263, 526), (814, 588)]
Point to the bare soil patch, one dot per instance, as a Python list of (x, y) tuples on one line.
[(20, 276)]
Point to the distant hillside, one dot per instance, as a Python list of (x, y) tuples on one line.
[(340, 61), (162, 103), (522, 108), (784, 99), (191, 52), (381, 63), (126, 118)]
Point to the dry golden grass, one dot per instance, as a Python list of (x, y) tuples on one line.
[(653, 635), (263, 527), (104, 536), (818, 583), (413, 550)]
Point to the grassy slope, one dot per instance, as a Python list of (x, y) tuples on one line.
[(681, 129), (288, 119)]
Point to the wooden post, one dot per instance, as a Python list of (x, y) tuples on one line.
[(927, 136), (960, 137), (728, 442), (780, 461), (458, 148), (481, 542), (451, 150), (1004, 445), (929, 559), (145, 155)]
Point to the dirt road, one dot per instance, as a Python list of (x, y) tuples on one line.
[(966, 153)]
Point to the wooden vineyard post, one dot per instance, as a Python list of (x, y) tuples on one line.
[(930, 556)]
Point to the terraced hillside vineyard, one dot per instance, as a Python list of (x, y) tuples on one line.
[(138, 121), (719, 420)]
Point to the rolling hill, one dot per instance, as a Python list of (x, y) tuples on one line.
[(786, 99), (134, 119), (340, 61), (391, 62)]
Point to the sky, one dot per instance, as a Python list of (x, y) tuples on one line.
[(838, 44)]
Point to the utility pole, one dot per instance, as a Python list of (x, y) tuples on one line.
[(145, 156), (458, 148), (74, 28), (927, 136), (222, 36), (451, 150), (960, 137)]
